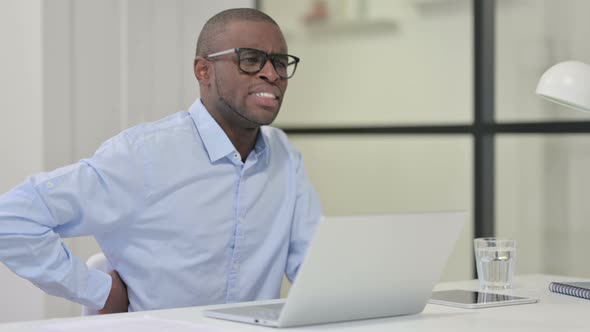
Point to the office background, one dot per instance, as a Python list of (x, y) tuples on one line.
[(76, 72)]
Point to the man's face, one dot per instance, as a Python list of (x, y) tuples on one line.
[(256, 98)]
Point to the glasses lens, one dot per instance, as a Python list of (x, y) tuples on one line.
[(251, 61), (284, 65)]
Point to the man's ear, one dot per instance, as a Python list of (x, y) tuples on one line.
[(201, 67)]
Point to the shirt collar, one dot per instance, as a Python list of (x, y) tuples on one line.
[(216, 142)]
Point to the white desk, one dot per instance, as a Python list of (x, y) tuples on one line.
[(554, 312)]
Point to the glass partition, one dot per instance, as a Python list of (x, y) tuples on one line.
[(543, 189), (380, 174), (369, 62), (532, 36)]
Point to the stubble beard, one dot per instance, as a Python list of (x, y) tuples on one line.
[(241, 113)]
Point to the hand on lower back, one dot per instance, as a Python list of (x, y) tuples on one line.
[(118, 300)]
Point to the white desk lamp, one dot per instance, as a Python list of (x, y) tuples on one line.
[(567, 83)]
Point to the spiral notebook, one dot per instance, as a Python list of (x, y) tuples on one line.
[(578, 289)]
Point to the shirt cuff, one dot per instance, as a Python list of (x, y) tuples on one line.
[(98, 289)]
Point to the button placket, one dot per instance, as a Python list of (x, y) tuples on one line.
[(232, 290)]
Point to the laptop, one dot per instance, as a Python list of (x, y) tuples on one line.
[(359, 268)]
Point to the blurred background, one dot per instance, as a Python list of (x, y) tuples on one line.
[(390, 106)]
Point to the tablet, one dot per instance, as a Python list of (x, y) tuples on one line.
[(473, 299)]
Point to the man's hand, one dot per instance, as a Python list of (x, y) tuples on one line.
[(117, 300)]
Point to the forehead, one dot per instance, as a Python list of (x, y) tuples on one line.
[(263, 36)]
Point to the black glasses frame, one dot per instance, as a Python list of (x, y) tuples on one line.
[(265, 57)]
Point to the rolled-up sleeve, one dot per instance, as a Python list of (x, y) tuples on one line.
[(94, 196)]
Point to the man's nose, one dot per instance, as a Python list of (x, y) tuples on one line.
[(268, 72)]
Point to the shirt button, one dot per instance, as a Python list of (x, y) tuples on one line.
[(236, 266), (49, 185)]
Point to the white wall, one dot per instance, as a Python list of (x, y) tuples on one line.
[(21, 130), (20, 83), (76, 72)]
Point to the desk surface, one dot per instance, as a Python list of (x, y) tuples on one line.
[(554, 312)]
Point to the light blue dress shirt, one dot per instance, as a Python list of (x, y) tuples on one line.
[(175, 210)]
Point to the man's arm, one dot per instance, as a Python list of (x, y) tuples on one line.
[(87, 198), (306, 216)]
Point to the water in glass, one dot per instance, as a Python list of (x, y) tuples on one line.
[(495, 266)]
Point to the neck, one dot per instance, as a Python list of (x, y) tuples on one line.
[(242, 135), (243, 140)]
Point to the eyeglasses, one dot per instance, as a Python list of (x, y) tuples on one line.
[(251, 61)]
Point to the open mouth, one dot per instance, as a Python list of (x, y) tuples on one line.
[(267, 99), (266, 95)]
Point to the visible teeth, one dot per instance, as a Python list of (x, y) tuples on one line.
[(265, 95)]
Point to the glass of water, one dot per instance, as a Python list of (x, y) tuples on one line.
[(495, 259)]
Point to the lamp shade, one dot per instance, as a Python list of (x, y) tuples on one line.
[(567, 83)]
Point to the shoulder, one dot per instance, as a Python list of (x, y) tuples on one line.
[(171, 128), (279, 143)]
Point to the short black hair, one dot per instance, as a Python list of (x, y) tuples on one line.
[(216, 25)]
